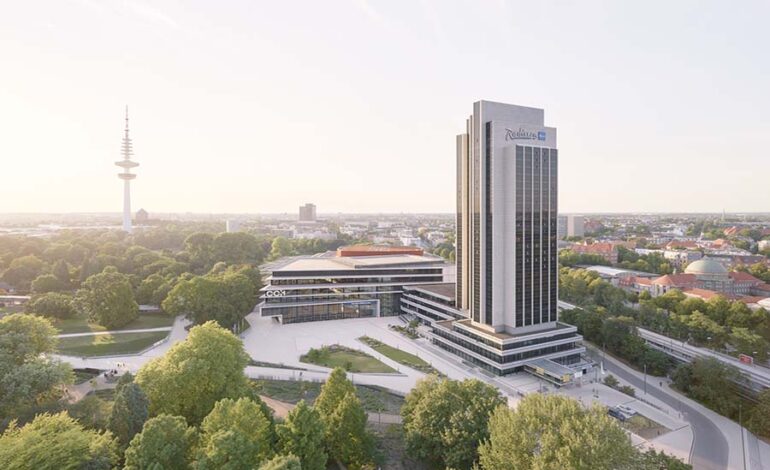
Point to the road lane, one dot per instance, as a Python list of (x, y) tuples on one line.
[(710, 449)]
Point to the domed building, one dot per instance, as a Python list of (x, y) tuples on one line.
[(711, 275), (714, 276)]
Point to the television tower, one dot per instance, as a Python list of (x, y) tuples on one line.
[(127, 151)]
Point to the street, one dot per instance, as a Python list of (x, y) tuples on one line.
[(710, 449)]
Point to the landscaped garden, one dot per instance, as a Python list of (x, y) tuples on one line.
[(402, 357), (79, 323), (347, 358), (109, 344), (374, 399)]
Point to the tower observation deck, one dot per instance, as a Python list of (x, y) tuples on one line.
[(126, 163)]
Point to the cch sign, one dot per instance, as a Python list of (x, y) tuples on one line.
[(275, 293)]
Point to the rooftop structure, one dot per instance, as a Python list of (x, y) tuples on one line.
[(378, 250)]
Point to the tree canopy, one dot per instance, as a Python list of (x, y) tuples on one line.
[(196, 373), (56, 441), (302, 434), (166, 442), (236, 435), (108, 299), (27, 377), (554, 432), (444, 420)]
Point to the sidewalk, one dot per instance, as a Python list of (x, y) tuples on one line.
[(115, 332)]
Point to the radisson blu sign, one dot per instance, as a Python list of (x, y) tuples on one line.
[(523, 134)]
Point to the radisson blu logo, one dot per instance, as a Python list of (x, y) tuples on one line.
[(522, 134)]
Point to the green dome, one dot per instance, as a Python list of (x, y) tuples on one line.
[(705, 266)]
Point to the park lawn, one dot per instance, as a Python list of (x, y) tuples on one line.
[(349, 359), (79, 324), (402, 357), (374, 399), (109, 345)]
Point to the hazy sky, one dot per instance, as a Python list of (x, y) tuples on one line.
[(259, 106)]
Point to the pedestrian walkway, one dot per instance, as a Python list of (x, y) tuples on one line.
[(115, 332)]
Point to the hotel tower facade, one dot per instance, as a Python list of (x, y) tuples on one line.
[(504, 316)]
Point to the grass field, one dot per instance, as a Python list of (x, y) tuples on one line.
[(81, 325), (349, 359), (644, 427), (402, 357), (107, 345), (292, 391)]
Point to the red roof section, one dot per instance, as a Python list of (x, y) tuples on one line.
[(378, 250), (704, 294), (744, 277), (676, 280)]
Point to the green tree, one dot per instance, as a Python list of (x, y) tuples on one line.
[(22, 271), (302, 434), (760, 415), (51, 304), (27, 375), (281, 247), (62, 272), (344, 421), (751, 344), (444, 420), (653, 460), (283, 462), (199, 247), (129, 413), (223, 297), (346, 437), (554, 432), (108, 299), (164, 443), (91, 411), (236, 435), (53, 442), (237, 248), (333, 391), (710, 382), (47, 283), (196, 373)]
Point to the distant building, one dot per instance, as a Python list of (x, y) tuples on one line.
[(679, 259), (142, 216), (353, 282), (232, 226), (704, 278), (307, 213), (763, 245), (608, 251), (575, 226), (561, 226)]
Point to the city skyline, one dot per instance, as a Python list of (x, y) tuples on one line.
[(212, 128)]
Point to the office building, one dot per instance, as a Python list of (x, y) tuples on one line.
[(561, 227), (353, 282), (307, 213), (507, 266), (575, 226)]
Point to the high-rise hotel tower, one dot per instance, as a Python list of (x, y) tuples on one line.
[(504, 315), (507, 171)]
